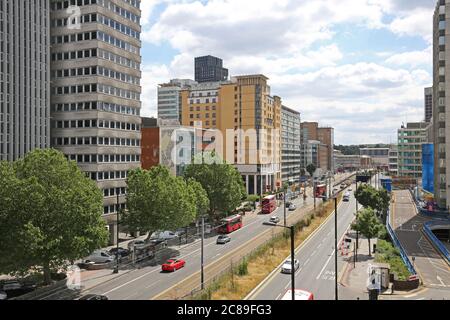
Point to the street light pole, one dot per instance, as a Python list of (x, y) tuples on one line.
[(314, 194), (336, 248), (202, 255), (292, 263), (357, 232), (284, 197), (292, 229), (116, 269)]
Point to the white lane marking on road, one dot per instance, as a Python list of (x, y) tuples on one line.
[(325, 265), (314, 253), (306, 262), (441, 281), (131, 281), (278, 297)]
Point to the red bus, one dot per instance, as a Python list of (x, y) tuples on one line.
[(231, 224), (269, 204), (321, 190)]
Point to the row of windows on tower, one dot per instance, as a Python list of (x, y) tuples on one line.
[(94, 18), (93, 71), (95, 35), (99, 124), (93, 53), (64, 4)]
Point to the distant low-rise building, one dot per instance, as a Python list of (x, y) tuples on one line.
[(311, 133), (380, 157)]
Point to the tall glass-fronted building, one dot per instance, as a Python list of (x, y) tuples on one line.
[(24, 77)]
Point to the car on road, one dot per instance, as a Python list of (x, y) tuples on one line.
[(94, 297), (122, 252), (223, 239), (350, 189), (274, 220), (288, 203), (100, 256), (287, 266), (173, 265), (136, 244), (346, 197), (292, 207), (165, 235), (343, 186), (299, 295)]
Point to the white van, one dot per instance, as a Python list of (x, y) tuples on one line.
[(100, 256), (165, 235)]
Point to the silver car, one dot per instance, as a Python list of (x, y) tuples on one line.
[(287, 266), (224, 239)]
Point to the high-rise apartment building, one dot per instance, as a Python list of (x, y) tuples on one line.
[(290, 148), (24, 77), (441, 102), (210, 69), (248, 117), (410, 141), (428, 104), (95, 92), (169, 99)]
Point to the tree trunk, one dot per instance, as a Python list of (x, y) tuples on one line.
[(47, 273), (370, 251)]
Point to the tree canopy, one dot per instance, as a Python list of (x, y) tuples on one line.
[(370, 197), (159, 201), (367, 224), (50, 213), (222, 182), (311, 168)]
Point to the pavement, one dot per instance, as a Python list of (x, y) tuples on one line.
[(355, 275), (407, 224)]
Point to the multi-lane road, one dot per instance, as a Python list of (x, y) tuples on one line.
[(149, 282), (316, 256)]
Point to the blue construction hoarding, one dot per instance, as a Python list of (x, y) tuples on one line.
[(387, 184), (428, 167)]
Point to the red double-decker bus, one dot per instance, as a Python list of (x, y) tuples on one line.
[(231, 224), (321, 190), (269, 204)]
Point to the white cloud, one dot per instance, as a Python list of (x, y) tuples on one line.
[(412, 58), (292, 42)]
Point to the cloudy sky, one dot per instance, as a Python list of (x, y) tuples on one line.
[(357, 65)]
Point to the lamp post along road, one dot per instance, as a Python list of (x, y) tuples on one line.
[(336, 249), (116, 269), (292, 229), (284, 204), (202, 255)]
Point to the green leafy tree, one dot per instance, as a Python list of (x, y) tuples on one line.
[(368, 225), (199, 197), (222, 182), (370, 197), (50, 214), (159, 201), (311, 168)]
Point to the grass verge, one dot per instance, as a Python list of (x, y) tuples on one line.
[(387, 253), (236, 285)]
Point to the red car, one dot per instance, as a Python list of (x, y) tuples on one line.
[(173, 265)]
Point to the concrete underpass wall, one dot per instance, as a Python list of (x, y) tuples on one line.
[(428, 228)]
